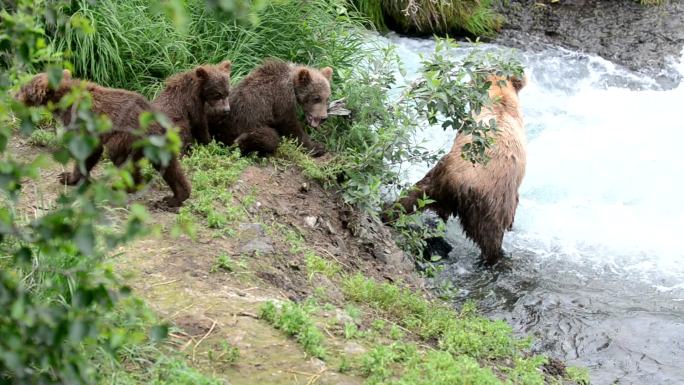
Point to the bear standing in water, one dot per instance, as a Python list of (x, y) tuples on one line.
[(189, 96), (484, 197), (123, 109), (264, 107)]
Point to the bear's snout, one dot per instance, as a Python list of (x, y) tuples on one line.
[(220, 106)]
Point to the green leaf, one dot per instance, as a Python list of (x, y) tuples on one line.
[(81, 147), (54, 76), (159, 332), (85, 239), (61, 156)]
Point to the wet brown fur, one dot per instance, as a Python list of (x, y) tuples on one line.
[(484, 197), (190, 95), (264, 107), (123, 109)]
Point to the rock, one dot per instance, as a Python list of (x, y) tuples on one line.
[(354, 348), (329, 227), (258, 246), (642, 38), (304, 187), (377, 239), (253, 240), (342, 317), (310, 221)]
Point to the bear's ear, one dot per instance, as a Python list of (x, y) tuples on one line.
[(327, 72), (303, 77), (201, 73), (518, 83), (225, 66)]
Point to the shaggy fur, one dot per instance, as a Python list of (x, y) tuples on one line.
[(264, 107), (189, 96), (123, 109), (484, 197)]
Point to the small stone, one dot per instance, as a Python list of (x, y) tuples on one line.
[(329, 227), (342, 317), (310, 221), (304, 187), (263, 246), (354, 348)]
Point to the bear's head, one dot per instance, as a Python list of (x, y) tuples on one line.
[(312, 89), (215, 86), (37, 91)]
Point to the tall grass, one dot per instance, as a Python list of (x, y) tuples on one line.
[(472, 17), (135, 47)]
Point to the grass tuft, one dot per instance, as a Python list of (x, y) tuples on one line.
[(213, 169), (295, 320)]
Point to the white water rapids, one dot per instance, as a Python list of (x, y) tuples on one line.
[(597, 270)]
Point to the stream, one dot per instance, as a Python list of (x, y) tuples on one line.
[(596, 272)]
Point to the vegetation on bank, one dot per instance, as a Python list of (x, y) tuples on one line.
[(428, 17), (72, 319)]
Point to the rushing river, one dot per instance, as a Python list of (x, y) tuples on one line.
[(597, 250)]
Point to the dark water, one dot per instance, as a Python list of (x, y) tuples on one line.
[(596, 273)]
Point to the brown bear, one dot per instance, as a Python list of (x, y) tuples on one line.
[(264, 107), (189, 96), (123, 109), (484, 197)]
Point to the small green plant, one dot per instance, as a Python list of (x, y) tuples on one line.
[(295, 320), (396, 333), (578, 375), (350, 330), (223, 262), (43, 138), (225, 353), (317, 265)]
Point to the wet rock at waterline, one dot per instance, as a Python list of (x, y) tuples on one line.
[(644, 38)]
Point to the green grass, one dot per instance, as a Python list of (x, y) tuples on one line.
[(223, 263), (43, 138), (318, 265), (295, 320), (133, 46), (212, 170), (292, 152), (473, 17)]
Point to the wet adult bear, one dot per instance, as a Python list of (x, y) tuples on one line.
[(484, 197), (264, 107), (123, 109), (189, 96)]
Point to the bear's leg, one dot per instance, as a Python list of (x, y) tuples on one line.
[(410, 201), (262, 140), (175, 178), (294, 129), (74, 177), (488, 236)]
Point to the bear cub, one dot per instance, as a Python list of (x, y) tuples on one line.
[(189, 96), (123, 109), (483, 196), (264, 107)]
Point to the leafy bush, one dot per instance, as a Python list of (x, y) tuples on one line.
[(61, 301)]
